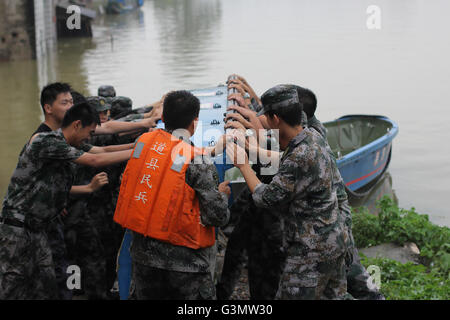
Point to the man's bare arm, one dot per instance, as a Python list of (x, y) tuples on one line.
[(103, 159), (112, 127), (96, 183), (112, 148)]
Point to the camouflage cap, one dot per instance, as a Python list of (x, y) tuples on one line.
[(99, 103), (106, 91), (120, 105), (279, 97)]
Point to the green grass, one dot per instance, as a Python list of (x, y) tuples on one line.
[(429, 280), (410, 281)]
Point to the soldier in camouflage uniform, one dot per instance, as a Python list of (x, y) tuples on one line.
[(165, 271), (357, 276), (92, 237), (102, 106), (108, 92), (302, 192), (80, 234), (259, 234), (36, 196), (83, 237), (55, 101)]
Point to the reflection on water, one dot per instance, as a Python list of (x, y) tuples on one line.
[(187, 35), (373, 194), (69, 60), (323, 45), (166, 45), (20, 113)]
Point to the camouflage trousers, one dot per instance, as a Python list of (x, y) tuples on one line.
[(313, 280), (85, 249), (357, 276), (234, 260), (101, 208), (111, 235), (55, 235), (265, 262), (27, 271), (150, 283), (257, 234)]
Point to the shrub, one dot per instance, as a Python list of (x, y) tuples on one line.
[(430, 280)]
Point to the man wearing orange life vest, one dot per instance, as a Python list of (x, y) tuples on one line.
[(171, 199)]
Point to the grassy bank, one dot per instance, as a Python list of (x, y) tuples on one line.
[(428, 280)]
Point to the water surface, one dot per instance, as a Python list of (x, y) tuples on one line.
[(401, 71)]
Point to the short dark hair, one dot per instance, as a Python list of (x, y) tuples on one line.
[(292, 115), (51, 92), (82, 111), (308, 99), (77, 97), (180, 109)]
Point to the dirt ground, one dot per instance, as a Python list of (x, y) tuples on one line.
[(241, 291)]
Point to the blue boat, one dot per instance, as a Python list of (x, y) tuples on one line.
[(362, 145), (122, 6)]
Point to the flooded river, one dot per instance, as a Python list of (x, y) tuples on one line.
[(401, 70)]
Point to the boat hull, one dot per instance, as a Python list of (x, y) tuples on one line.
[(365, 164)]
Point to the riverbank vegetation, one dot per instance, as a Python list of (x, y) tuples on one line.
[(428, 280)]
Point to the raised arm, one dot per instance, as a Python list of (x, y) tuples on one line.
[(112, 127)]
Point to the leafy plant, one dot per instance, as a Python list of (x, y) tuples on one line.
[(399, 226), (409, 281), (366, 228), (430, 280)]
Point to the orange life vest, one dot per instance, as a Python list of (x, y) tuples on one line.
[(154, 199)]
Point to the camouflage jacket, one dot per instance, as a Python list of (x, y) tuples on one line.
[(106, 197), (83, 175), (304, 193), (203, 178), (315, 124), (41, 182), (338, 182)]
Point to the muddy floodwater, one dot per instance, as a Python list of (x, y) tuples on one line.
[(401, 70)]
